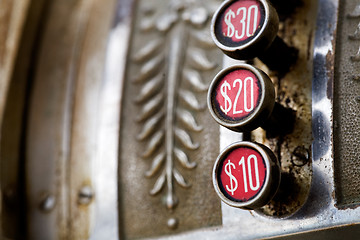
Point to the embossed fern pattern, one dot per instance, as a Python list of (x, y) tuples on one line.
[(165, 62)]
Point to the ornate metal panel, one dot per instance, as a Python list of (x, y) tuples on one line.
[(168, 140)]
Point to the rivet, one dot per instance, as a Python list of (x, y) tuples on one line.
[(172, 223), (86, 194), (48, 203), (300, 156)]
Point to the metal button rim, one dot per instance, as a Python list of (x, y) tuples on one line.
[(271, 183), (262, 111), (268, 11)]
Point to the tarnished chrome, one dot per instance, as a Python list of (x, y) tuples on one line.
[(63, 117), (106, 182)]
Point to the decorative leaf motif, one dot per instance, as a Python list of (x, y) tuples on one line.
[(156, 164), (191, 100), (148, 50), (204, 39), (199, 59), (159, 184), (150, 88), (355, 13), (160, 89), (166, 21), (199, 16), (150, 107), (149, 68), (185, 139), (154, 144), (356, 58), (188, 120), (149, 126), (147, 24), (194, 78), (180, 179), (356, 35), (183, 159)]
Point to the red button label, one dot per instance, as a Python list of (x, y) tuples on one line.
[(239, 22), (242, 174), (237, 94)]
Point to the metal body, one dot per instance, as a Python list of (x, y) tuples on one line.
[(105, 134)]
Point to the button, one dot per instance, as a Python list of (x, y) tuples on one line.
[(246, 175), (245, 29), (242, 98)]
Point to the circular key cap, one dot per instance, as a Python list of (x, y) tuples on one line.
[(241, 97), (246, 175), (245, 29)]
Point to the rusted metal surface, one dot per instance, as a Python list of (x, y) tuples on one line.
[(294, 92)]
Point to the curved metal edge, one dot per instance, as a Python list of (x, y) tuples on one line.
[(107, 225)]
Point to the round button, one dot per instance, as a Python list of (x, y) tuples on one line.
[(244, 28), (246, 175), (241, 97)]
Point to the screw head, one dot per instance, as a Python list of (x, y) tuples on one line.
[(48, 203), (300, 156), (86, 195)]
